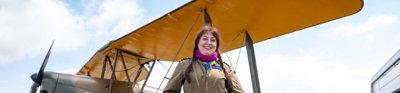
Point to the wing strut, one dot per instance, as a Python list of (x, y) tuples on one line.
[(252, 64), (207, 19), (126, 72), (111, 66), (106, 58), (137, 75), (113, 77), (148, 75)]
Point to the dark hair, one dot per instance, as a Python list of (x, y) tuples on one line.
[(214, 32)]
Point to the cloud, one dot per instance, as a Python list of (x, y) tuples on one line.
[(27, 27), (114, 18), (373, 22), (310, 71), (369, 39)]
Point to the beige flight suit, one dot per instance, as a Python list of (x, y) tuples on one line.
[(212, 81)]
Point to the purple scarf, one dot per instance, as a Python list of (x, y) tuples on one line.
[(205, 58)]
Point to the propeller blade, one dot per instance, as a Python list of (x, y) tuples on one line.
[(39, 77)]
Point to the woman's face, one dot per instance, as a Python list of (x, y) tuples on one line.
[(207, 44)]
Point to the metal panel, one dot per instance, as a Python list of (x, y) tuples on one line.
[(252, 64)]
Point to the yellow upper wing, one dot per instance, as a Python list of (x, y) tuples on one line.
[(263, 19)]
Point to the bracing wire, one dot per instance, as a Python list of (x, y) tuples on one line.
[(226, 53), (187, 35), (233, 40), (240, 50), (234, 69), (163, 65), (230, 63)]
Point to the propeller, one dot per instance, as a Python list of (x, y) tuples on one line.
[(38, 77)]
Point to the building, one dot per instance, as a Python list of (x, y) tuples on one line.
[(387, 79)]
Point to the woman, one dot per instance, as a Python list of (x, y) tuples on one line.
[(205, 72)]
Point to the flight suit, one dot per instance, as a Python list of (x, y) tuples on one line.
[(202, 81)]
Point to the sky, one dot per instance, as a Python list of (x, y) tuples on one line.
[(339, 56)]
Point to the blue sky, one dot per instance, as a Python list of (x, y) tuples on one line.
[(335, 57)]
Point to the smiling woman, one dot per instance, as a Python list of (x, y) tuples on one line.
[(206, 41), (205, 71)]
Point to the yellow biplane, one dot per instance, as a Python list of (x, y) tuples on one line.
[(118, 66)]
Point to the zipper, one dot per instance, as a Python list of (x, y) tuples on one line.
[(206, 82), (196, 76), (206, 77)]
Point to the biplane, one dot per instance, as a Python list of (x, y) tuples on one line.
[(118, 66)]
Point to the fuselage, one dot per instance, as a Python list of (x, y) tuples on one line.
[(65, 83)]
